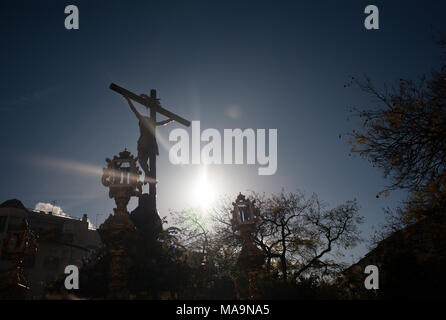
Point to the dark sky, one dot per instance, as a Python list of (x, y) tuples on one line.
[(274, 64)]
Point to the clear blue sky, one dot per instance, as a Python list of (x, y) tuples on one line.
[(281, 64)]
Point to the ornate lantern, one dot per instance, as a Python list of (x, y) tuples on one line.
[(122, 177), (244, 219), (20, 243), (244, 214)]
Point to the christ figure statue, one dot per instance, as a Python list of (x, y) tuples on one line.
[(147, 145)]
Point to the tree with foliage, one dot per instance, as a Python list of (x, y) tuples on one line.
[(405, 136)]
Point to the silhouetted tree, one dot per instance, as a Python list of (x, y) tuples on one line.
[(193, 229), (211, 241), (301, 237), (305, 235), (405, 136)]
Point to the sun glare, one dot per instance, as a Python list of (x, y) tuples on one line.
[(204, 191)]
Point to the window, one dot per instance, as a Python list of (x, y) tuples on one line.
[(244, 213)]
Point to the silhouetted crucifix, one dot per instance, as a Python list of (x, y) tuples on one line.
[(147, 145)]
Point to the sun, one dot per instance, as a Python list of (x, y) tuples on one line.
[(204, 191)]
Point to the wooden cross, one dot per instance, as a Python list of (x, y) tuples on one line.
[(153, 104)]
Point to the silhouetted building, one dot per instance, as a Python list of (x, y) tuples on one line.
[(61, 241), (411, 264)]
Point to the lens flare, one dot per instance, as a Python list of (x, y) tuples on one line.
[(66, 165), (204, 191)]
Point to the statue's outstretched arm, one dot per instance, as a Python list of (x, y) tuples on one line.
[(162, 123), (138, 115)]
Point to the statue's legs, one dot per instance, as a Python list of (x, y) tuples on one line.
[(143, 157)]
